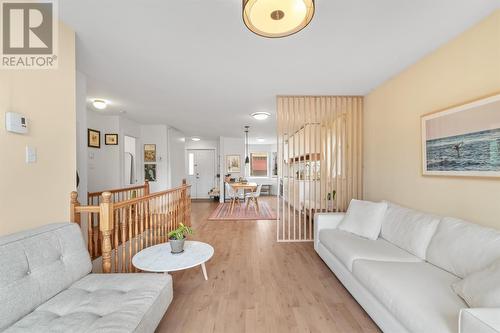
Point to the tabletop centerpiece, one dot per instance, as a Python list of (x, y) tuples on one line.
[(177, 237)]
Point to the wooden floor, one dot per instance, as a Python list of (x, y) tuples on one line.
[(258, 285)]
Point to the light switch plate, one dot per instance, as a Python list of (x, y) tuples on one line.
[(30, 154)]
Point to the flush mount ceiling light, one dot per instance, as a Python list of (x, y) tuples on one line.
[(99, 104), (277, 18), (260, 140), (260, 115), (195, 139)]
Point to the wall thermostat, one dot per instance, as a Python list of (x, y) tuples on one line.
[(16, 123)]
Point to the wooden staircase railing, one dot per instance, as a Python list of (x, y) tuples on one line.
[(116, 231), (119, 194)]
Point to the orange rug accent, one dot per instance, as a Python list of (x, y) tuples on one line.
[(221, 213)]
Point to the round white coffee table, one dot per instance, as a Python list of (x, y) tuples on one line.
[(160, 259)]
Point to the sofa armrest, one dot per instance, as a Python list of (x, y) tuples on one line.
[(479, 320), (325, 221)]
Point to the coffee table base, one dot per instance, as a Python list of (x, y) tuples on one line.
[(203, 269)]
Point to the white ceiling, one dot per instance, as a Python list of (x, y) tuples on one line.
[(193, 65)]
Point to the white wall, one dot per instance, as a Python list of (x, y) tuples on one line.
[(130, 128), (130, 160), (104, 165), (203, 144), (81, 136), (176, 157), (230, 146), (157, 134)]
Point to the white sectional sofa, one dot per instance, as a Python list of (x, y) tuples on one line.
[(46, 286), (404, 278)]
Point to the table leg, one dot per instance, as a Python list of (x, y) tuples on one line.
[(204, 269)]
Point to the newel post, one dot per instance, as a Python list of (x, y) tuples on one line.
[(74, 216), (106, 227), (146, 188), (184, 200)]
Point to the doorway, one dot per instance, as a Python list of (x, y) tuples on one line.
[(201, 172), (129, 162)]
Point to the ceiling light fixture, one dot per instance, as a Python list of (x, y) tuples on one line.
[(277, 18), (260, 115), (260, 140), (99, 104), (195, 139)]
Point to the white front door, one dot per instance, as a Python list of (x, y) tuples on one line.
[(201, 172)]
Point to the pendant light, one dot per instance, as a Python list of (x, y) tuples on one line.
[(247, 159), (277, 18)]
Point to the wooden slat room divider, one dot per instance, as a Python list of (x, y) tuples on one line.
[(320, 160)]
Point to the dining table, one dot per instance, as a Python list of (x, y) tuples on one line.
[(248, 186)]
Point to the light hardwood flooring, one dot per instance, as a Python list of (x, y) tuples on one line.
[(258, 285)]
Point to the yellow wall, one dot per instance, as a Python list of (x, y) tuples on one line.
[(37, 194), (465, 69)]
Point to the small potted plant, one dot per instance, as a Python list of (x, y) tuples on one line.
[(331, 200), (177, 237)]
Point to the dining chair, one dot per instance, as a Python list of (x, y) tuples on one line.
[(254, 196), (234, 196)]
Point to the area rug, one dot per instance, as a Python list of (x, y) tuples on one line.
[(221, 213)]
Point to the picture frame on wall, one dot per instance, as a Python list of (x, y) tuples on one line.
[(149, 153), (93, 138), (233, 163), (150, 172), (463, 141), (111, 139)]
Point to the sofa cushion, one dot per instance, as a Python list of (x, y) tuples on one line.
[(419, 295), (463, 248), (103, 303), (348, 247), (481, 289), (37, 264), (409, 229), (364, 218)]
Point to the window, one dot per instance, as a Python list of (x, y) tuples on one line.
[(191, 164), (258, 165)]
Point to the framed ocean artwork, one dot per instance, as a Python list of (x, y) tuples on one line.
[(463, 140)]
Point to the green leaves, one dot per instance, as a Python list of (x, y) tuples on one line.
[(180, 232)]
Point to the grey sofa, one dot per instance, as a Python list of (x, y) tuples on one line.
[(46, 285)]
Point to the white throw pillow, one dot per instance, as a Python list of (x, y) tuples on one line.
[(409, 229), (364, 218), (481, 289)]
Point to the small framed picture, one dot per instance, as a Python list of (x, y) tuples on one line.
[(111, 139), (149, 153), (233, 163), (93, 138), (150, 172)]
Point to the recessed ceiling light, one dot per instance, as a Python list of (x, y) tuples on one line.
[(261, 139), (260, 115), (195, 139), (99, 104)]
